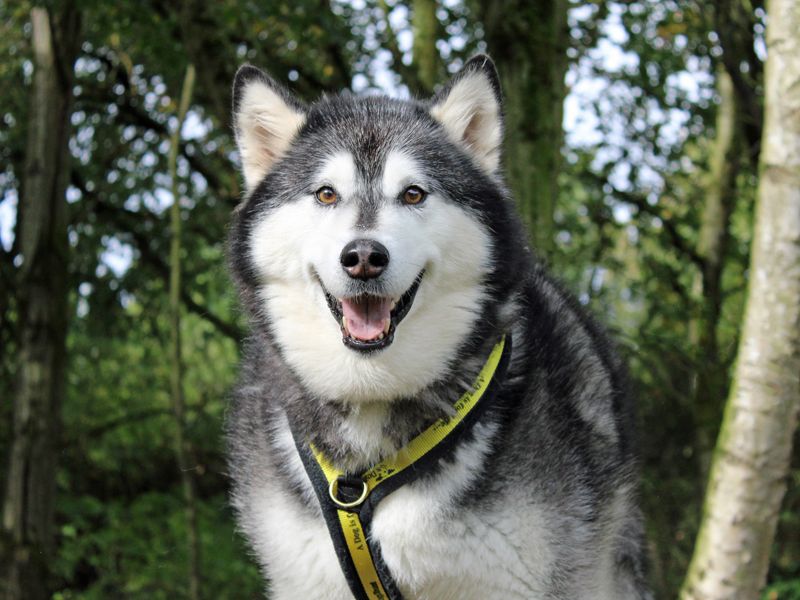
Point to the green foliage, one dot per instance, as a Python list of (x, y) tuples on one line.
[(785, 590), (627, 224), (137, 549)]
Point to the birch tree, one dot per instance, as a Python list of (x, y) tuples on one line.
[(751, 461)]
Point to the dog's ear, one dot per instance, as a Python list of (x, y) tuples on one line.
[(469, 108), (266, 118)]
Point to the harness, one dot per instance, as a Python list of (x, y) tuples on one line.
[(348, 501)]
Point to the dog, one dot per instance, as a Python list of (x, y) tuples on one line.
[(387, 277)]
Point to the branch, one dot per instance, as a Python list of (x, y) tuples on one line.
[(678, 241), (140, 118), (643, 206), (134, 115), (123, 219), (224, 327), (103, 428), (229, 329), (8, 281)]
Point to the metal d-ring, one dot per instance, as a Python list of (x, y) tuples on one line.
[(334, 487)]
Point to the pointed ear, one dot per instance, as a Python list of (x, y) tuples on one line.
[(266, 118), (469, 108)]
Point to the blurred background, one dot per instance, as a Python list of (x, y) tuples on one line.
[(632, 147)]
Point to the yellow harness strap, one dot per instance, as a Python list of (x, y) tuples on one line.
[(350, 512)]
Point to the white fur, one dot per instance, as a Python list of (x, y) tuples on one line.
[(302, 238), (434, 551), (265, 126), (436, 547), (287, 536), (470, 113)]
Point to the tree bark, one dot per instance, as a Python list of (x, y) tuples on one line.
[(530, 50), (409, 74), (183, 450), (426, 56), (734, 23), (751, 461), (710, 377), (28, 510)]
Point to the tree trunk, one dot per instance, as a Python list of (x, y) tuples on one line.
[(751, 462), (426, 55), (183, 450), (530, 50), (710, 378), (28, 510), (734, 23)]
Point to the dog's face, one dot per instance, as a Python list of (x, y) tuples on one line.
[(361, 238)]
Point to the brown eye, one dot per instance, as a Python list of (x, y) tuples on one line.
[(326, 195), (413, 195)]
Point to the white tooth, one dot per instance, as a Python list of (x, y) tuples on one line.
[(386, 324), (392, 305), (344, 325), (381, 336)]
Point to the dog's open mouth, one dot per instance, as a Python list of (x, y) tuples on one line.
[(368, 322)]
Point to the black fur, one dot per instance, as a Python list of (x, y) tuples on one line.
[(565, 417)]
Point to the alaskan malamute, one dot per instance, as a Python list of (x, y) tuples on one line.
[(422, 411)]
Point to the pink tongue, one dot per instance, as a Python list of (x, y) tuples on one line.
[(365, 316)]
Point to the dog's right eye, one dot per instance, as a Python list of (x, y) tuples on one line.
[(414, 195), (326, 195)]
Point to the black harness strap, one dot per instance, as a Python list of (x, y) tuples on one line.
[(348, 501)]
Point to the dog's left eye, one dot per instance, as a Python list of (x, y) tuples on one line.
[(414, 195), (326, 195)]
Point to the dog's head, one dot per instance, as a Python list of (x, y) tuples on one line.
[(370, 236)]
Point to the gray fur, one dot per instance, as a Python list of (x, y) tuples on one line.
[(562, 436)]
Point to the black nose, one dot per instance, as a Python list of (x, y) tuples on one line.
[(364, 259)]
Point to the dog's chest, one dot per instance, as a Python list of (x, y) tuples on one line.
[(434, 545), (437, 549), (432, 552)]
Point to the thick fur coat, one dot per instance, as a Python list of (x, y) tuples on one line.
[(539, 499)]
